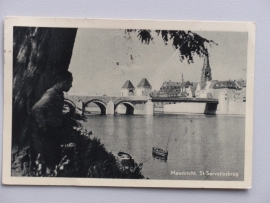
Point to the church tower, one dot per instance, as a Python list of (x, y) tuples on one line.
[(206, 70)]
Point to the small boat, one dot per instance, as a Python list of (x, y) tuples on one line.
[(125, 162), (161, 152)]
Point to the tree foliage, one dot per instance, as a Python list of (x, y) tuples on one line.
[(187, 43)]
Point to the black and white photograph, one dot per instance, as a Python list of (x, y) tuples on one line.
[(129, 103)]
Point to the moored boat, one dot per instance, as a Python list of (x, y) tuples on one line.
[(160, 152), (125, 162)]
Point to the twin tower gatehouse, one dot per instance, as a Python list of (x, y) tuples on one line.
[(143, 89)]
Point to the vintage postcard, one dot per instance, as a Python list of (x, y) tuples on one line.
[(128, 103)]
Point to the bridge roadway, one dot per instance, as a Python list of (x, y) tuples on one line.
[(185, 99), (134, 104), (108, 104)]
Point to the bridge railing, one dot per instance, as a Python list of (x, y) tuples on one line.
[(86, 98), (184, 99)]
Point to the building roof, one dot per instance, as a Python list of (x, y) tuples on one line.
[(202, 85), (128, 85), (193, 88), (215, 84), (225, 84), (212, 84), (170, 84), (144, 83), (177, 84), (187, 84)]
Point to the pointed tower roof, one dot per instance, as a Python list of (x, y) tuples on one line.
[(206, 64), (128, 85), (144, 83), (206, 70)]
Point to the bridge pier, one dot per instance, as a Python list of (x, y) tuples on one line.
[(79, 107), (149, 108), (110, 110)]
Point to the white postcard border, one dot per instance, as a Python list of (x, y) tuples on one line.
[(125, 24)]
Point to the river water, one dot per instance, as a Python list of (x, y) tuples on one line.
[(200, 147)]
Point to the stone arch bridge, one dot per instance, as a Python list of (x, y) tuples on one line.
[(108, 104)]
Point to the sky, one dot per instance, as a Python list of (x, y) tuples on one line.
[(103, 59)]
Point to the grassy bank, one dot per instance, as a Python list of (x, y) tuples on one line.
[(81, 156)]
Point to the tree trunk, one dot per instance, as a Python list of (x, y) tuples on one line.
[(38, 55)]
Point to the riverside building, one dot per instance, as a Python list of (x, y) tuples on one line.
[(231, 94)]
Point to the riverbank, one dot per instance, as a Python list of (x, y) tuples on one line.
[(82, 155)]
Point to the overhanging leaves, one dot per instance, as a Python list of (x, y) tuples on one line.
[(188, 43)]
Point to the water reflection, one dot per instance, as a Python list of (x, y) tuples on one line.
[(159, 158)]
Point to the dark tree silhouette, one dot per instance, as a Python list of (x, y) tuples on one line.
[(38, 55), (186, 42)]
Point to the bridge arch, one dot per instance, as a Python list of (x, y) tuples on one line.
[(129, 107), (70, 104), (101, 104), (80, 107)]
